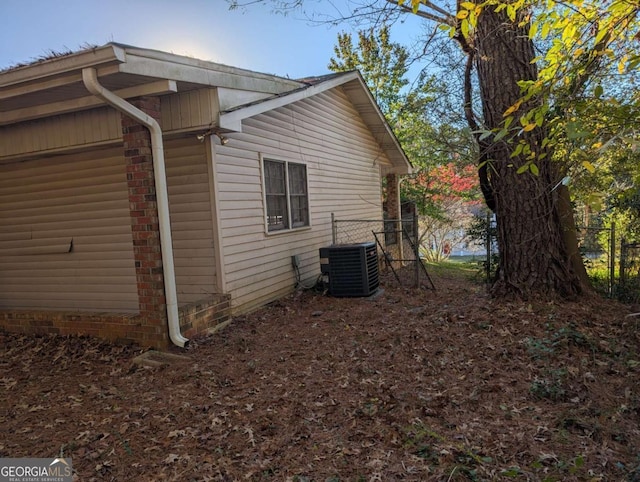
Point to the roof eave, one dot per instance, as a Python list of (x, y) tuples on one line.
[(58, 66), (232, 119), (130, 70)]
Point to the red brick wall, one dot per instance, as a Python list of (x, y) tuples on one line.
[(115, 327), (392, 202), (198, 317), (144, 217)]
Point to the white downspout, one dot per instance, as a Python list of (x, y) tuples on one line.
[(90, 79)]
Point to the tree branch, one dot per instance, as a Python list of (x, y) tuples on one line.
[(438, 9), (445, 18), (468, 101)]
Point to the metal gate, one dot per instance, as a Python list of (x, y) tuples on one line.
[(629, 282)]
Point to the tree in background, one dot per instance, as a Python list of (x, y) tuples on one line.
[(441, 188), (449, 195), (601, 146), (384, 67)]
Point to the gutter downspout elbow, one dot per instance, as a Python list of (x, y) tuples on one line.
[(90, 79)]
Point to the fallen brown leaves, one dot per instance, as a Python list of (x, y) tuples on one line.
[(412, 385)]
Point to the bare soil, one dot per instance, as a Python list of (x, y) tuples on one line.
[(413, 384)]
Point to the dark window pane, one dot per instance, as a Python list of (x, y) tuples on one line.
[(276, 195), (298, 195), (297, 179), (277, 190), (274, 177), (299, 211), (277, 212)]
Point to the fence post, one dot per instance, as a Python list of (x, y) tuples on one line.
[(612, 258), (488, 245), (334, 234), (623, 261), (416, 253)]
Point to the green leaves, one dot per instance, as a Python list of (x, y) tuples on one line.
[(529, 167), (384, 65), (575, 130), (598, 91), (595, 201), (467, 16)]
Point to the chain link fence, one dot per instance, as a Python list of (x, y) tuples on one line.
[(385, 232), (397, 246), (396, 241), (598, 249), (628, 288)]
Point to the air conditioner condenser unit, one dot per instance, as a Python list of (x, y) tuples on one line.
[(352, 269)]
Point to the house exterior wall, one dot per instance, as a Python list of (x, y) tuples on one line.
[(82, 207), (63, 132), (191, 109), (79, 244), (343, 161), (191, 219), (65, 234), (88, 131)]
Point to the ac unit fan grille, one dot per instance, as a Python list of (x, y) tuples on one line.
[(352, 269)]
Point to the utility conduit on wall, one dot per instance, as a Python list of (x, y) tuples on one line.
[(90, 79)]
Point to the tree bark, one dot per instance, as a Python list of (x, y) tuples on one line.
[(534, 258), (570, 235)]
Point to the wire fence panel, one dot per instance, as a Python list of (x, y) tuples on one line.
[(389, 234), (598, 250), (629, 285), (355, 230), (396, 242)]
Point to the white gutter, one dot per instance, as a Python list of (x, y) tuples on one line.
[(90, 79)]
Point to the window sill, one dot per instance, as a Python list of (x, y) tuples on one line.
[(287, 231)]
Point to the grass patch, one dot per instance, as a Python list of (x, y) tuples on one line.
[(598, 272), (455, 268), (551, 387)]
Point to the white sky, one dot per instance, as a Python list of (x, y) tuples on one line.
[(252, 38)]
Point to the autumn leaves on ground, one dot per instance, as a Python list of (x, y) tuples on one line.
[(409, 385)]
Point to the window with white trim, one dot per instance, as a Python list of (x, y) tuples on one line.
[(286, 195)]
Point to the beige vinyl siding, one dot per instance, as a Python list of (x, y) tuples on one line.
[(65, 234), (102, 125), (191, 219), (64, 131), (189, 109), (343, 161)]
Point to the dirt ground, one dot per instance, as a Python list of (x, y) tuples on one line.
[(414, 384)]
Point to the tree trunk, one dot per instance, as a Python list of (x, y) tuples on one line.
[(570, 235), (534, 259)]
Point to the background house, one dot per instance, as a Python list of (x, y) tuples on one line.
[(145, 196)]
